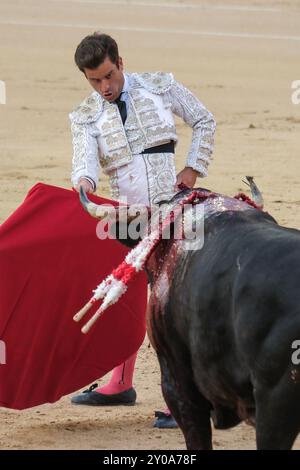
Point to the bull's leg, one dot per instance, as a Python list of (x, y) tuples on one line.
[(188, 406), (277, 417)]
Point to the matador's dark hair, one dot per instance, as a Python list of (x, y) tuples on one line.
[(93, 50)]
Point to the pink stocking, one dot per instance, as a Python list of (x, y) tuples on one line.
[(121, 378)]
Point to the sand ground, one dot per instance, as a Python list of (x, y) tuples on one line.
[(239, 57)]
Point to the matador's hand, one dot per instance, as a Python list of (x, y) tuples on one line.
[(187, 176)]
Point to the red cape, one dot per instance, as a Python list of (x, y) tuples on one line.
[(50, 262)]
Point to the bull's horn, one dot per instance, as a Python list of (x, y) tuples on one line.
[(255, 192), (95, 210), (100, 211)]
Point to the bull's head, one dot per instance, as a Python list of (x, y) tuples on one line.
[(125, 223)]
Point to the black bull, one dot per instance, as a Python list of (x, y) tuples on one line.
[(223, 320)]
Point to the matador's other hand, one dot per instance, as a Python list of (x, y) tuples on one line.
[(187, 176), (85, 184)]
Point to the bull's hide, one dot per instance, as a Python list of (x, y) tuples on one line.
[(49, 259)]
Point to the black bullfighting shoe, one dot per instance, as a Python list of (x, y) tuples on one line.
[(164, 420), (88, 397)]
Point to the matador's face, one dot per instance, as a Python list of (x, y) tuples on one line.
[(107, 79)]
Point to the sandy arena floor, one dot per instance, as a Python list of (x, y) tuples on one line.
[(239, 57)]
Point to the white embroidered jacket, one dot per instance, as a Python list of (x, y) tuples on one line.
[(99, 136)]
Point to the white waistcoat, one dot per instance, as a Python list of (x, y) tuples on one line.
[(149, 123)]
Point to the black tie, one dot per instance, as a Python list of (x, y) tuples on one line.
[(122, 108)]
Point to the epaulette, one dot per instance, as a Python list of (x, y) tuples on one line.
[(156, 82), (89, 110)]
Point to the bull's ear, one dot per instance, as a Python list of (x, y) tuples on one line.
[(119, 232), (131, 224)]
